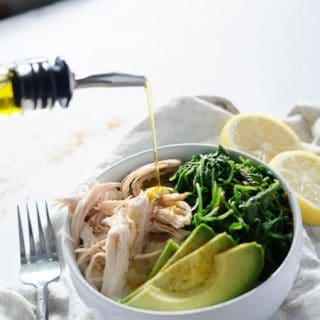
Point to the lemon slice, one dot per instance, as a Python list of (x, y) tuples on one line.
[(301, 170), (260, 135)]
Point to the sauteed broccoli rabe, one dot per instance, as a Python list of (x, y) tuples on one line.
[(241, 198)]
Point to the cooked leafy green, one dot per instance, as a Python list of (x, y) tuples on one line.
[(241, 198)]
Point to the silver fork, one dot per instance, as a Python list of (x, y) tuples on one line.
[(40, 265)]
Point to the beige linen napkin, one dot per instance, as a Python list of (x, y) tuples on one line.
[(189, 119)]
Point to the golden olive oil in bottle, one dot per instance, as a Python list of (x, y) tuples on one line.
[(7, 102)]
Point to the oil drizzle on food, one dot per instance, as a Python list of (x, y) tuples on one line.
[(153, 130)]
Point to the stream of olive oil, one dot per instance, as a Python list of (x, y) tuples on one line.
[(7, 106), (153, 130)]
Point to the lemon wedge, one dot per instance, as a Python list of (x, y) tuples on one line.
[(260, 135), (301, 170)]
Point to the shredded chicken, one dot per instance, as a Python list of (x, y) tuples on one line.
[(172, 210), (69, 202), (179, 234), (112, 224), (124, 238), (133, 183), (98, 193), (142, 256), (108, 206), (139, 211), (87, 236), (117, 250), (94, 270)]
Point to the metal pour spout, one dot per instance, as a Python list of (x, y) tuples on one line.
[(109, 80), (40, 83)]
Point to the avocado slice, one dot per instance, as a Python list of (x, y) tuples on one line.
[(203, 278), (219, 243), (199, 236), (168, 250)]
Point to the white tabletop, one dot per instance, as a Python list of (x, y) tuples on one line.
[(262, 55)]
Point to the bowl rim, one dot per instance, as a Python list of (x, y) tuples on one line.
[(297, 235)]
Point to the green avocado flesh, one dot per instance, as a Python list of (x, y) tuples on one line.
[(219, 243), (216, 272), (196, 239), (169, 249), (199, 236)]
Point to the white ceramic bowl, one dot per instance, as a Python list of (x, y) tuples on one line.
[(258, 304)]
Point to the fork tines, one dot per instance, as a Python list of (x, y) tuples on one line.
[(42, 248)]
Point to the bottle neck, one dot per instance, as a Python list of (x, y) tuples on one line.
[(40, 84)]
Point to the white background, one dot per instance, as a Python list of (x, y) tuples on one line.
[(262, 55)]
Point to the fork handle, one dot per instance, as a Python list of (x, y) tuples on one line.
[(42, 302)]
